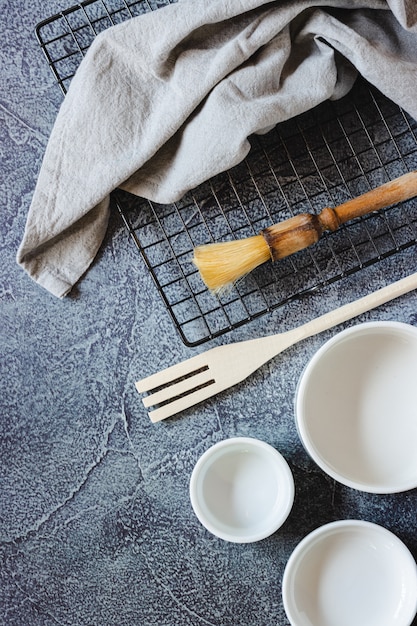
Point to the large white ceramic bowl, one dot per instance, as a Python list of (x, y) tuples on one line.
[(350, 573), (356, 407), (242, 489)]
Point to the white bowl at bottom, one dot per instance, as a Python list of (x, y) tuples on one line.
[(350, 573), (242, 489)]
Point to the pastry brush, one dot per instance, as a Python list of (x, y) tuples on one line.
[(222, 264)]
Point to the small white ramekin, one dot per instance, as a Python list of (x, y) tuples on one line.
[(242, 489)]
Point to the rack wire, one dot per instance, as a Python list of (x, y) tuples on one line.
[(321, 158)]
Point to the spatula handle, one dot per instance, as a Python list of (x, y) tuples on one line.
[(301, 231), (357, 307)]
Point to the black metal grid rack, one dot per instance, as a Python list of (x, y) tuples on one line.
[(321, 158)]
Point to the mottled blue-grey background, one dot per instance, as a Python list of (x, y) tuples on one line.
[(96, 527)]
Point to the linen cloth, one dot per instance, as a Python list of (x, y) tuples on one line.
[(168, 99)]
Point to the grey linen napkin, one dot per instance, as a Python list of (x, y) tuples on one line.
[(167, 100)]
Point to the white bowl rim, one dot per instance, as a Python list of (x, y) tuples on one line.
[(300, 389), (325, 531), (285, 477)]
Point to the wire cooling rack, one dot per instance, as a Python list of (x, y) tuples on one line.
[(321, 158)]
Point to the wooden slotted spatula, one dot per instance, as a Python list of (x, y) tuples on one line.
[(181, 386)]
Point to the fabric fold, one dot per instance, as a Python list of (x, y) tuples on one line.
[(167, 100)]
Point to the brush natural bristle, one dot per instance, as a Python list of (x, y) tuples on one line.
[(222, 264)]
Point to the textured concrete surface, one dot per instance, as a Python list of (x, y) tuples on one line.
[(96, 527)]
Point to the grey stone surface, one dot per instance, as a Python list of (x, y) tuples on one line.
[(96, 527)]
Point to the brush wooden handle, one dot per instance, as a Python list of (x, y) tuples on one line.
[(303, 230)]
